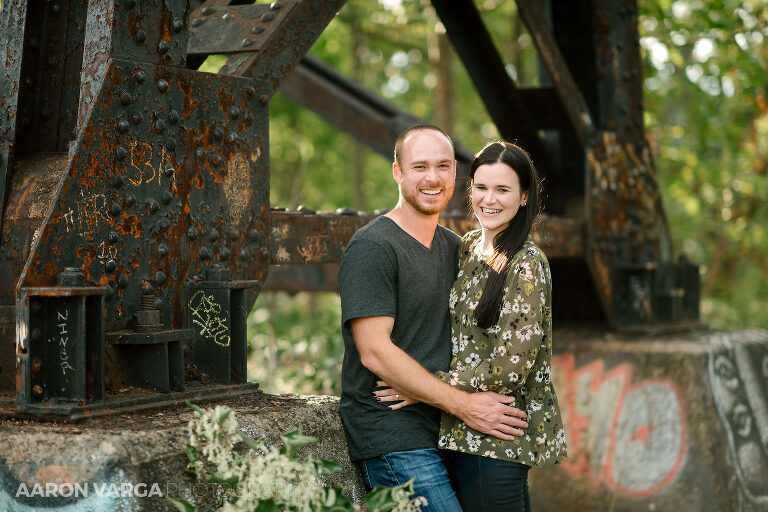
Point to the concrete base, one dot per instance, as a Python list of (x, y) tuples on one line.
[(673, 423)]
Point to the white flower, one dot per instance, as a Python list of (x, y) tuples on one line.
[(514, 359), (525, 308), (506, 308), (490, 454), (535, 406), (473, 442), (454, 346), (506, 336), (516, 307), (472, 306), (560, 436), (513, 377), (473, 360), (501, 350), (509, 453), (542, 439), (494, 329), (463, 342), (452, 299)]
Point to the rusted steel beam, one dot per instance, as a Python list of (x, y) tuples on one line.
[(362, 114), (279, 37), (475, 47), (570, 95), (321, 238), (13, 16)]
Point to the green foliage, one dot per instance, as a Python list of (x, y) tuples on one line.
[(706, 72), (274, 479)]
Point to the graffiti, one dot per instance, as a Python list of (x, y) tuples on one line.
[(628, 436), (63, 339), (143, 170), (738, 374), (207, 315)]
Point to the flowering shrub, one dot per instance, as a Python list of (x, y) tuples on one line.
[(273, 479)]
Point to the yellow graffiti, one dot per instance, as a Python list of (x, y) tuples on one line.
[(206, 313)]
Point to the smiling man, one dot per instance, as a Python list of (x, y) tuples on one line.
[(394, 282)]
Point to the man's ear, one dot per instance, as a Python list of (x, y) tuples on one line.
[(397, 173)]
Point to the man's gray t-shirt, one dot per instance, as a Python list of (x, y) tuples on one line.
[(387, 272)]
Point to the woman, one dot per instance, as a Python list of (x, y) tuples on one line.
[(501, 320)]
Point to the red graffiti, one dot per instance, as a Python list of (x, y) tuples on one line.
[(627, 436)]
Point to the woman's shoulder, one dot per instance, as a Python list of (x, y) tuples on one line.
[(530, 252), (470, 237)]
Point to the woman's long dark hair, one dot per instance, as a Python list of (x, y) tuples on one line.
[(508, 242)]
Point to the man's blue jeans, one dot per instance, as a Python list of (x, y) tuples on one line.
[(426, 465)]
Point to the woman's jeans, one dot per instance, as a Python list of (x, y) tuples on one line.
[(426, 465), (488, 485)]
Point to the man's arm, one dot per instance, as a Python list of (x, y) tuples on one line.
[(486, 412)]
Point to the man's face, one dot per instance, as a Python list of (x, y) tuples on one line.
[(427, 171)]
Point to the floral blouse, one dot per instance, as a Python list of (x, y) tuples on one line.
[(513, 357)]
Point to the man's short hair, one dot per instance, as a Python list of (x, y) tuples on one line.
[(415, 128)]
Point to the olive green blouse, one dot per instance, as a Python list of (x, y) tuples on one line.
[(513, 357)]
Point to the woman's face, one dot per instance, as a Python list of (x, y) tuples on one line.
[(496, 197)]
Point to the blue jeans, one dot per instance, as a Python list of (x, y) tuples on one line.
[(426, 465), (489, 485)]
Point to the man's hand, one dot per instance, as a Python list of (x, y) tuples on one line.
[(492, 414)]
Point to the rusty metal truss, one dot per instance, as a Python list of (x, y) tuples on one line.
[(136, 225)]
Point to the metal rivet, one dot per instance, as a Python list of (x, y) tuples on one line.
[(224, 254), (159, 303), (213, 235), (137, 118), (115, 210), (122, 125), (246, 42), (274, 6), (216, 159), (167, 197), (243, 254), (117, 181), (34, 43), (264, 99), (55, 8), (37, 363), (159, 278), (153, 206), (177, 25), (250, 92), (208, 11), (125, 98), (254, 235), (110, 291), (37, 390), (264, 252), (51, 61), (162, 47), (173, 117), (192, 233), (130, 4), (36, 334), (257, 30), (218, 133), (165, 224), (111, 266), (141, 36), (205, 254), (160, 126), (168, 169), (233, 138), (170, 143), (200, 152), (162, 250), (45, 113), (140, 77), (122, 281), (234, 112), (197, 22), (162, 85), (266, 18), (248, 117), (121, 153), (28, 81), (129, 199), (113, 237)]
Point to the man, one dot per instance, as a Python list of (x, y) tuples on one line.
[(394, 281)]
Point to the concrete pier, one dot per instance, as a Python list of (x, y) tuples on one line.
[(663, 423)]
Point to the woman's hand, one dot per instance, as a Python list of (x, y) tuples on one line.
[(388, 394)]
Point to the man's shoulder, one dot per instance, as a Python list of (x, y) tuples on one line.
[(378, 232), (451, 238)]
